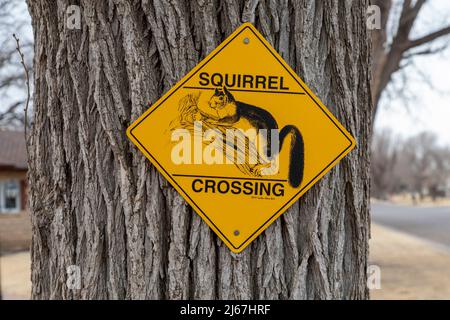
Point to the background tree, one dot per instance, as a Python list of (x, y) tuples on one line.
[(97, 203), (439, 185), (395, 47), (417, 165), (12, 75), (384, 162)]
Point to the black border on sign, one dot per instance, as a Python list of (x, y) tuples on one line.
[(180, 85)]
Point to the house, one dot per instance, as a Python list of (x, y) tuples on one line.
[(15, 226)]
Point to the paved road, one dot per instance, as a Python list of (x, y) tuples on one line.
[(428, 223)]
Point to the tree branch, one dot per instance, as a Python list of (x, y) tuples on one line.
[(428, 51), (409, 13), (27, 102), (10, 110), (429, 38)]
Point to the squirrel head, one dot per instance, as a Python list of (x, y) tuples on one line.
[(221, 98)]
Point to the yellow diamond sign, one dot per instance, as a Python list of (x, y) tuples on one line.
[(241, 137)]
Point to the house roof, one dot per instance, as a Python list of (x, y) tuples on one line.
[(12, 150)]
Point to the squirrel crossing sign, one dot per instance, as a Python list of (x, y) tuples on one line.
[(241, 137)]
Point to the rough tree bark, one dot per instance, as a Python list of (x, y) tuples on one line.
[(98, 204)]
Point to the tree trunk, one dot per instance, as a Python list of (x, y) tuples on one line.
[(98, 204)]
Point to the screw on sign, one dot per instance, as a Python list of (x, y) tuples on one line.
[(241, 139)]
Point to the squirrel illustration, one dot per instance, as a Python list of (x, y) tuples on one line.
[(223, 108)]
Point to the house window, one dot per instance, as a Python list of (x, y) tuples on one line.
[(9, 196)]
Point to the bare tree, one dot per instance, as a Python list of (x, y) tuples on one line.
[(440, 173), (12, 75), (384, 159), (418, 165), (417, 152), (98, 204), (391, 52), (429, 164)]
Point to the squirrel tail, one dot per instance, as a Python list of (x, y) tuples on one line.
[(297, 154)]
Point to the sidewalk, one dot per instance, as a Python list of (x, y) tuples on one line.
[(15, 275), (411, 268)]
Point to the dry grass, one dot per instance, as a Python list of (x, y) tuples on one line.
[(15, 276), (411, 268)]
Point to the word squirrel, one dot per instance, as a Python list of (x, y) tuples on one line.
[(245, 81)]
